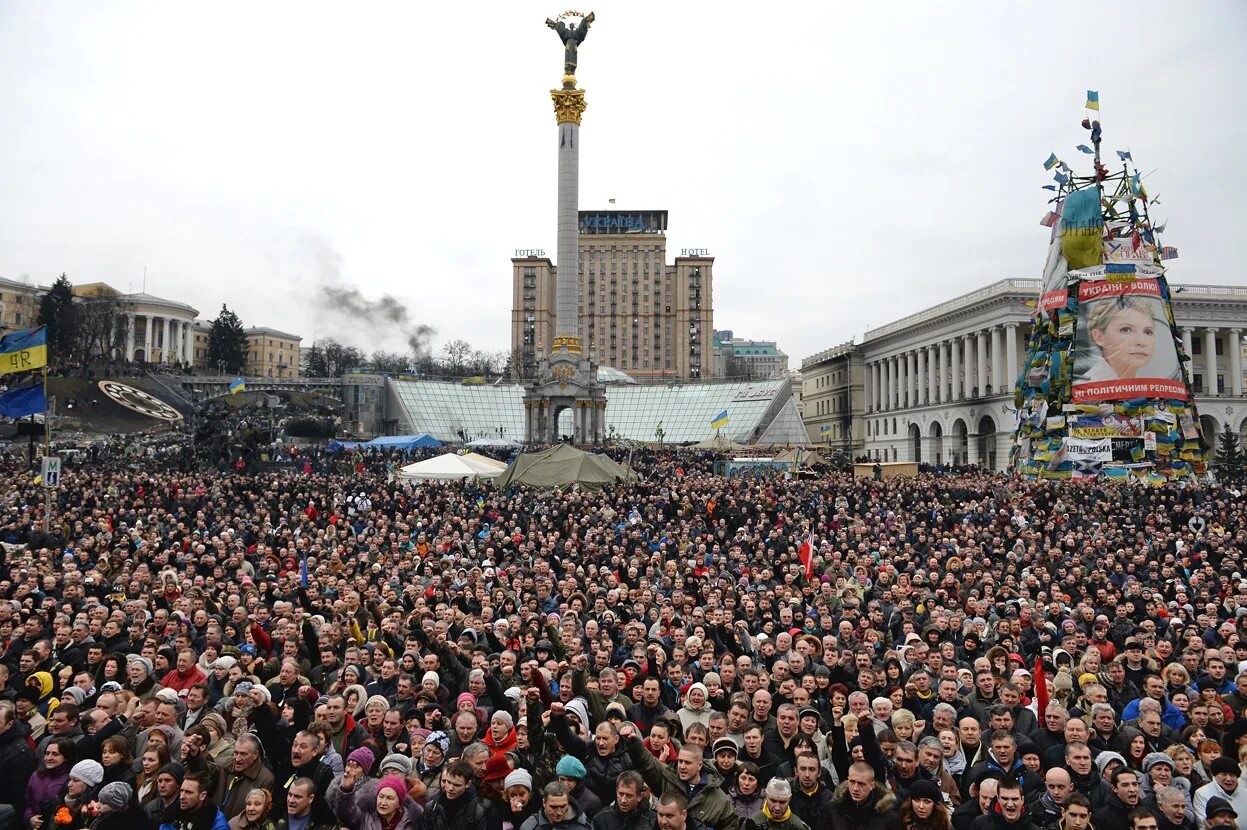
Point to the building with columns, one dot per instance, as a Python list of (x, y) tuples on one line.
[(938, 385), (156, 330)]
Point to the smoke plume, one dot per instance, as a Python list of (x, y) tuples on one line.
[(344, 304)]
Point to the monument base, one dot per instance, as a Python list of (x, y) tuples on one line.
[(565, 381)]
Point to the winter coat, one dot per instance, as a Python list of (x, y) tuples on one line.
[(642, 818), (350, 812), (473, 815), (760, 821), (18, 761), (131, 818), (207, 818), (745, 805), (538, 821), (811, 808), (43, 790), (878, 812), (708, 802)]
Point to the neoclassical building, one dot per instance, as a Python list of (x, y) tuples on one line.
[(938, 384), (156, 330)]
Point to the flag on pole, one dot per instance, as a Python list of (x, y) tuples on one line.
[(1124, 155), (24, 350), (1084, 148), (720, 420), (1049, 220), (1093, 100), (1168, 252), (1052, 161), (18, 403), (806, 552), (237, 385), (1041, 687)]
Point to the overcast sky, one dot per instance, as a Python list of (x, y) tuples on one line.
[(846, 164)]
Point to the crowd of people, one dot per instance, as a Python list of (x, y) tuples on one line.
[(322, 647)]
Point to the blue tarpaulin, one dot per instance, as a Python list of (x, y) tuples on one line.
[(402, 442)]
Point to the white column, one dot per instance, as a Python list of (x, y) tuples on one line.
[(915, 382), (1011, 355), (944, 374), (130, 336), (907, 361), (894, 387), (955, 375), (998, 361), (147, 341), (967, 357), (1187, 347), (164, 344), (980, 361), (922, 375), (190, 343), (1234, 344), (872, 386), (885, 371), (1210, 362), (932, 373)]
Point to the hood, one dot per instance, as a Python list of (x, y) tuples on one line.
[(880, 799), (580, 708)]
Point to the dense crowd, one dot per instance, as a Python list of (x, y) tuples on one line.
[(326, 648)]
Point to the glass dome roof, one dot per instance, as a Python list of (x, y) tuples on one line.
[(609, 374)]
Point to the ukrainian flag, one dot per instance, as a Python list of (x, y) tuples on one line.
[(1093, 100), (236, 386), (24, 350), (720, 420)]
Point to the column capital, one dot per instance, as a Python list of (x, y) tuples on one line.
[(1236, 331), (1211, 329), (1011, 325)]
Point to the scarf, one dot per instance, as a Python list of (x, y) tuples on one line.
[(766, 811)]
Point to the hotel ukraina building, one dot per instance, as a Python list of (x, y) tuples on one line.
[(937, 386)]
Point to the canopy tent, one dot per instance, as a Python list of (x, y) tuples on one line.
[(452, 467), (562, 466), (719, 443), (500, 443), (401, 442), (807, 458)]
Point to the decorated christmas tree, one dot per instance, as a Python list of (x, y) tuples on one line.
[(1104, 388)]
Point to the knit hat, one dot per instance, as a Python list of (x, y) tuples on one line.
[(1105, 758), (922, 788), (174, 769), (421, 732), (518, 778), (504, 716), (364, 757), (77, 694), (431, 675), (141, 660), (1085, 679), (496, 768), (569, 767), (726, 745), (167, 696), (243, 687), (465, 697), (439, 739), (1217, 805), (1154, 758), (116, 795), (89, 772), (1221, 765), (578, 707), (395, 783), (395, 761)]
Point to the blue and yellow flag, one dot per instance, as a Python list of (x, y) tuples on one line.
[(1093, 100), (237, 385), (720, 420), (1051, 161), (824, 429), (24, 350)]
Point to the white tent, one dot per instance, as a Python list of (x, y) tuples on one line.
[(452, 467), (499, 443)]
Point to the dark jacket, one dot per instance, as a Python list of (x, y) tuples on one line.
[(642, 818), (878, 812), (811, 808), (472, 815), (18, 761), (601, 770), (1114, 815), (995, 821), (131, 818), (538, 821), (760, 821)]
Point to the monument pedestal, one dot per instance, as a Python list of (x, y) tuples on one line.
[(565, 381)]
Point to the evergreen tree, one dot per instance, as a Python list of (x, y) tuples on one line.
[(227, 343), (57, 311), (1228, 460)]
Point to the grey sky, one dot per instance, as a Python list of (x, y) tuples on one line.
[(845, 163)]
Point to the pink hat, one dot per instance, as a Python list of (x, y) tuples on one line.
[(395, 783), (466, 696)]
